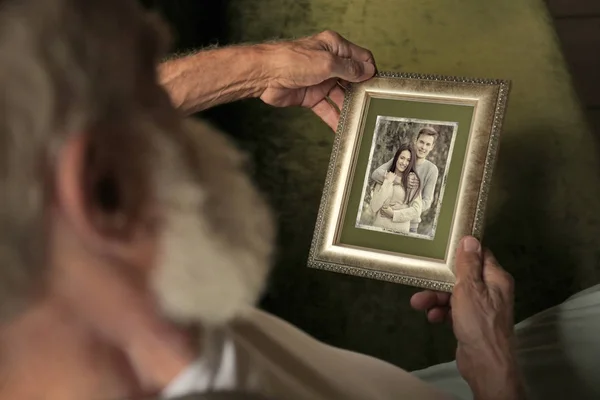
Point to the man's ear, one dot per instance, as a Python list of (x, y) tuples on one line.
[(90, 193), (68, 179)]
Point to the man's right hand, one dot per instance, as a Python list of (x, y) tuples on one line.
[(481, 311), (413, 181), (306, 71)]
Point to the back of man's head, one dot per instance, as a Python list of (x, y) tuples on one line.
[(72, 68), (65, 67)]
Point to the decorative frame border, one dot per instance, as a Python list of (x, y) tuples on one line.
[(317, 258)]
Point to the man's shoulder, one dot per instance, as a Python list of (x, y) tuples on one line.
[(257, 320), (430, 166), (426, 167), (292, 353)]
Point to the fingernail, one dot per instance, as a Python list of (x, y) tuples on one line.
[(369, 69), (471, 245)]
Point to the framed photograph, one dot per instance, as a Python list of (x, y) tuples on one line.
[(408, 178)]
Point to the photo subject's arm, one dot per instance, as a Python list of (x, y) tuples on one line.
[(379, 174), (429, 188), (381, 193), (212, 77), (410, 213)]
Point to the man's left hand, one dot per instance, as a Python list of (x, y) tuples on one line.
[(481, 311), (308, 71)]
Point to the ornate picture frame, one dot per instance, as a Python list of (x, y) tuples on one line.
[(408, 177)]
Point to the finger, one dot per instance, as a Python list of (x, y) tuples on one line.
[(336, 94), (360, 53), (351, 70), (345, 48), (344, 84), (428, 299), (437, 315), (327, 113), (315, 100), (468, 262), (443, 298), (315, 94), (328, 88)]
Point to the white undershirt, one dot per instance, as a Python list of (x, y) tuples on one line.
[(214, 370)]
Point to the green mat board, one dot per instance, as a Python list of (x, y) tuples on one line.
[(436, 248)]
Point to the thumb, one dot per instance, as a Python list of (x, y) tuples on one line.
[(468, 261), (352, 70)]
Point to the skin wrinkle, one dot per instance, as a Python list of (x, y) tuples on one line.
[(196, 98)]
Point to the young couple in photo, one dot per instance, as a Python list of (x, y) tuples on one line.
[(405, 185)]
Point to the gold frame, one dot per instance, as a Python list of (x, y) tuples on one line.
[(489, 98)]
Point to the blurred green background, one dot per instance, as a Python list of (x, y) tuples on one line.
[(541, 221)]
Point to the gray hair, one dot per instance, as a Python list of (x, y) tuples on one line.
[(69, 67), (66, 67)]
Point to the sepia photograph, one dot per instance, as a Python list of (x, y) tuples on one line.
[(404, 184)]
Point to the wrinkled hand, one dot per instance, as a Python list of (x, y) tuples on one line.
[(481, 312), (413, 181), (305, 72)]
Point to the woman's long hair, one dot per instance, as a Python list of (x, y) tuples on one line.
[(409, 168)]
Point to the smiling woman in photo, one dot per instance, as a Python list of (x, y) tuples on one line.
[(395, 205)]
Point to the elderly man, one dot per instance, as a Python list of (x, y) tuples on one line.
[(128, 268)]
